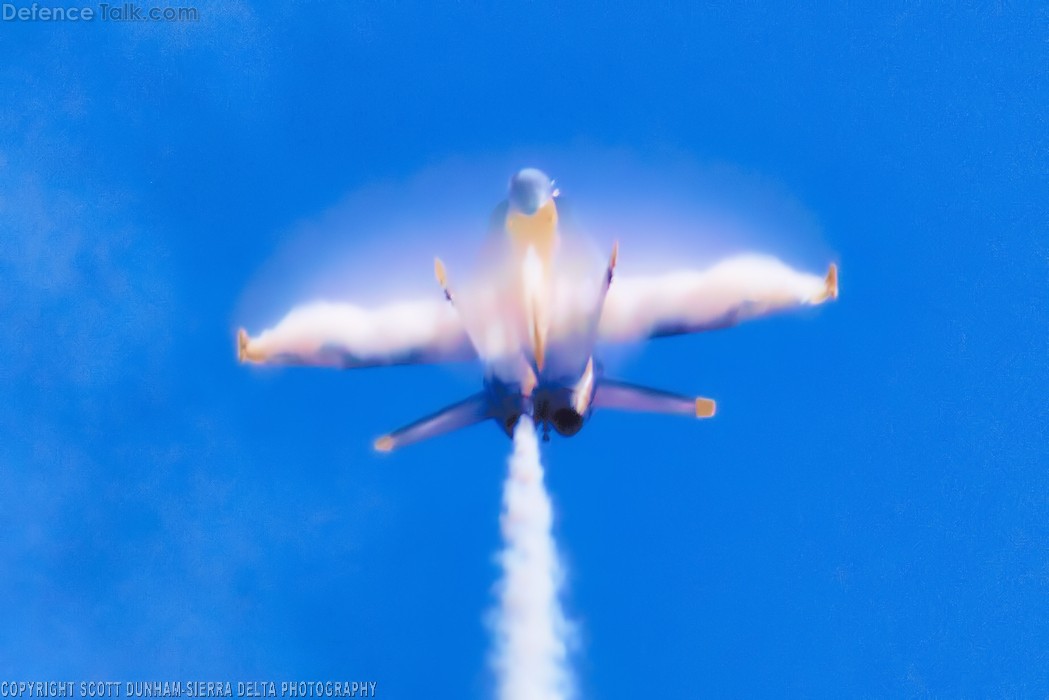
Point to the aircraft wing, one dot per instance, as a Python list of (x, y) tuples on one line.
[(347, 336), (734, 290)]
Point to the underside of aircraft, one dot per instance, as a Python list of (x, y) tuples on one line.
[(534, 323)]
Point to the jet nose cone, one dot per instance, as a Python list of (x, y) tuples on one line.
[(530, 189)]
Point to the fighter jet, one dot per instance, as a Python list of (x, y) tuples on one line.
[(534, 318)]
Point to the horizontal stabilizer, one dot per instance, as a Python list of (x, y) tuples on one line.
[(630, 397), (465, 413)]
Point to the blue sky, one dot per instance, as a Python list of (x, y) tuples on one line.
[(867, 514)]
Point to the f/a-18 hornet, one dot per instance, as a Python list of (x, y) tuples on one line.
[(533, 318)]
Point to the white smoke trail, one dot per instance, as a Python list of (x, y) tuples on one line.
[(532, 634)]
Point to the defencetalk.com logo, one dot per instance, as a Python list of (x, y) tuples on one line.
[(124, 12)]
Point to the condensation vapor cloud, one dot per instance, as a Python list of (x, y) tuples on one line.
[(532, 634)]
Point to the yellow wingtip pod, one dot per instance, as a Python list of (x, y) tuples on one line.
[(705, 408), (831, 282), (242, 345), (384, 444), (830, 286), (245, 353)]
